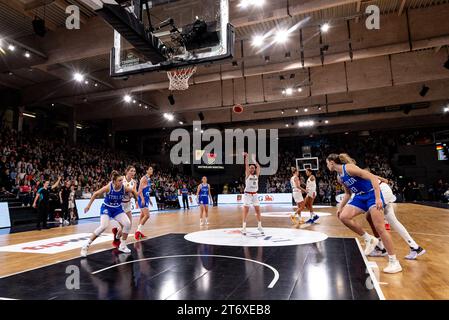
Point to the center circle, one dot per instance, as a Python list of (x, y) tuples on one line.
[(272, 237)]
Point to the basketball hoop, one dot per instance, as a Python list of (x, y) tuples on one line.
[(179, 78)]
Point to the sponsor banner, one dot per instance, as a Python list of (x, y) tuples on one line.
[(264, 198), (192, 201), (55, 245), (95, 208), (5, 221), (272, 237)]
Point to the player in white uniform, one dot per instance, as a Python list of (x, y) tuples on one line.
[(311, 194), (130, 183), (252, 172), (390, 216), (297, 191)]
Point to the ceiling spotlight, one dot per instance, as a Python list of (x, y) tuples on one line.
[(246, 3), (299, 89), (11, 47), (303, 124), (52, 104), (96, 84), (297, 110), (446, 109), (283, 91), (306, 110), (425, 89), (127, 98), (134, 101), (326, 122), (78, 77), (289, 91), (146, 107), (286, 125), (181, 123), (169, 116), (202, 131), (171, 99), (282, 111), (10, 73), (325, 27), (258, 40), (27, 55), (140, 104), (319, 108), (281, 36), (86, 82)]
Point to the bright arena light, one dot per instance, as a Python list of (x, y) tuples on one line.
[(303, 124), (127, 98), (325, 27), (289, 91), (78, 77), (446, 109), (299, 89), (326, 122), (246, 3), (281, 36), (169, 116), (27, 55), (258, 40), (11, 47)]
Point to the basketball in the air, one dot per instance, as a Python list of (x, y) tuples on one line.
[(238, 108)]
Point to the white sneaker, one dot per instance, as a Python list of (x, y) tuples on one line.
[(393, 267), (260, 229), (415, 253), (66, 222), (201, 223), (124, 249), (207, 222), (84, 250), (370, 245), (378, 252), (243, 231)]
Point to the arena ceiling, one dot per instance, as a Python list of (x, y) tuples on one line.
[(346, 75)]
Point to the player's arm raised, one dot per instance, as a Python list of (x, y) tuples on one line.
[(256, 164)]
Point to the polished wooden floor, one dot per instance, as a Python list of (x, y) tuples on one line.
[(425, 278)]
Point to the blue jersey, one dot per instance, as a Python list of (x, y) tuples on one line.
[(204, 190), (114, 198), (185, 192), (357, 185)]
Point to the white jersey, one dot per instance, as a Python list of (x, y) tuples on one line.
[(128, 184), (292, 183), (310, 186), (252, 183)]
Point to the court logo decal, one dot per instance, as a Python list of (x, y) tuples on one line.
[(272, 237), (55, 245)]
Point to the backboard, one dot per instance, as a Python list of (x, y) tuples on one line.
[(176, 33), (302, 164)]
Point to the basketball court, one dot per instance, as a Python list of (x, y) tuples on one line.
[(245, 93)]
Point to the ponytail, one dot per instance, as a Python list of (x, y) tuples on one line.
[(342, 158), (114, 175)]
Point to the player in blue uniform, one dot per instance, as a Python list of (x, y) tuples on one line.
[(368, 199), (203, 195), (111, 209), (144, 201)]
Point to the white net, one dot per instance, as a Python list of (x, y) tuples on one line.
[(179, 78)]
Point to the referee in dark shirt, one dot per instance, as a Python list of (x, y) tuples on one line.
[(41, 202), (185, 196)]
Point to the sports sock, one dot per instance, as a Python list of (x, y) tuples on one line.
[(139, 228), (244, 225), (366, 236), (399, 227), (392, 258), (259, 224)]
